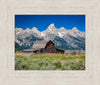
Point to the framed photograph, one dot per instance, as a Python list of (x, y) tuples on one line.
[(47, 47), (49, 42)]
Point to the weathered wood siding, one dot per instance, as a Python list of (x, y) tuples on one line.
[(50, 48), (60, 51)]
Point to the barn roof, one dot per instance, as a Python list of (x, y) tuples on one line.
[(32, 49), (40, 44)]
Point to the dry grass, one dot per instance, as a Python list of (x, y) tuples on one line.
[(38, 55), (18, 53), (54, 56)]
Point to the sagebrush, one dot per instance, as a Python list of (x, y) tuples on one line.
[(49, 63)]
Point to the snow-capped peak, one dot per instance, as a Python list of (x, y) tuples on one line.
[(19, 30), (62, 29), (51, 27), (76, 33), (52, 24), (75, 29), (34, 29), (50, 30), (27, 30)]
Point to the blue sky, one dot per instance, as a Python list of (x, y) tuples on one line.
[(43, 21)]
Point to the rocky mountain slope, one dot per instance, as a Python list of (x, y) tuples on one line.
[(63, 39)]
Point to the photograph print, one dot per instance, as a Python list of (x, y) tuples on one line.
[(50, 42)]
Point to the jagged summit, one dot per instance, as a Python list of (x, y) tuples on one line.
[(75, 29), (62, 28), (65, 39), (52, 24), (51, 27), (19, 30), (34, 29), (27, 29)]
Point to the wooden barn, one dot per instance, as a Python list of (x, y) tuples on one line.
[(42, 47)]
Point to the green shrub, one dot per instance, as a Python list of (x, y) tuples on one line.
[(74, 65), (57, 63), (66, 66), (29, 63), (33, 66), (48, 67)]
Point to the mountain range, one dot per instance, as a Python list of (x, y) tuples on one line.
[(63, 39)]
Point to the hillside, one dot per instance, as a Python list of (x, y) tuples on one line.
[(63, 39)]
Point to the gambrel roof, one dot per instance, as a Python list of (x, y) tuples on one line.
[(38, 45)]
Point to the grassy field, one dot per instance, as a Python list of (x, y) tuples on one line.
[(49, 62)]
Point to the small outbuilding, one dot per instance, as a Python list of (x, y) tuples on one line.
[(40, 47)]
